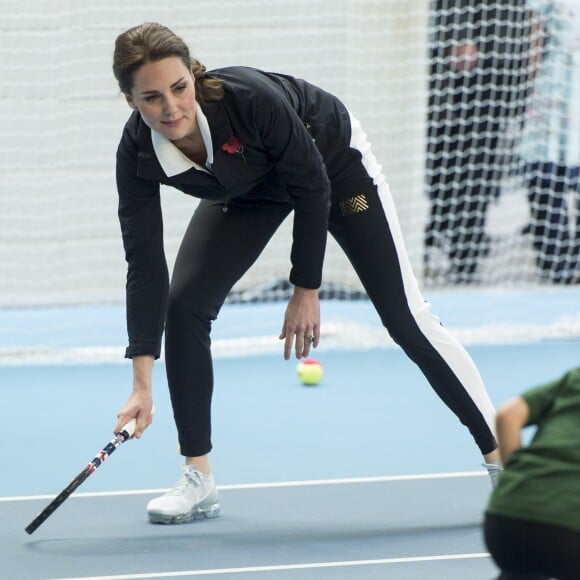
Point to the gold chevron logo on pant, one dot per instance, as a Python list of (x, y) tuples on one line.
[(355, 204)]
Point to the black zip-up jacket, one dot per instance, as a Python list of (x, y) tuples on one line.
[(294, 141)]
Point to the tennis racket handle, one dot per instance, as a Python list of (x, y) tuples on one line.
[(129, 428)]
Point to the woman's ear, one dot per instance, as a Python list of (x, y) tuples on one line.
[(129, 100)]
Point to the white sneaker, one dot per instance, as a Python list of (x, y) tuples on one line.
[(193, 497), (494, 470)]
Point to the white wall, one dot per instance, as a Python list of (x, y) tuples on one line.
[(61, 117)]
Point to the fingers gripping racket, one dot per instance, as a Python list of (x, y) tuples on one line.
[(126, 433)]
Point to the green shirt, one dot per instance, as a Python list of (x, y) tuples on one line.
[(541, 482)]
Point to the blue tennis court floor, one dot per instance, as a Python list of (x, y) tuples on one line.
[(403, 528), (365, 476)]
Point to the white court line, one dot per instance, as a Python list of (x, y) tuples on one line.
[(287, 567), (272, 485)]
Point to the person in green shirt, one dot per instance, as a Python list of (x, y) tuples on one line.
[(532, 520)]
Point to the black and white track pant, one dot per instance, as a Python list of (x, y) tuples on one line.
[(219, 247)]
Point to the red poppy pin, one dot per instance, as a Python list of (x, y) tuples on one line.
[(233, 145)]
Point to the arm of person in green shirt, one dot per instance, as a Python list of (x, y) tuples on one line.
[(511, 418)]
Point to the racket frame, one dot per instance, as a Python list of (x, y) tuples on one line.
[(124, 435)]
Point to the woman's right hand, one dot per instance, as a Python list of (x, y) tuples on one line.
[(139, 405)]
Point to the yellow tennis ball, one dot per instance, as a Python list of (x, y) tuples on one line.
[(309, 371)]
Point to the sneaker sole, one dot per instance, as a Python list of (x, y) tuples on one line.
[(198, 513)]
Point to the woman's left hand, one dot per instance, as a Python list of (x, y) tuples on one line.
[(301, 328)]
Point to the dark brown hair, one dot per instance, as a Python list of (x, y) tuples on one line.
[(151, 42)]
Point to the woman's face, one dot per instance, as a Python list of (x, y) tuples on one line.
[(164, 93)]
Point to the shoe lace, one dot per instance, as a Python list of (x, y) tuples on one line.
[(184, 482)]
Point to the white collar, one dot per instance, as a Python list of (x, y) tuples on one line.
[(171, 159)]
